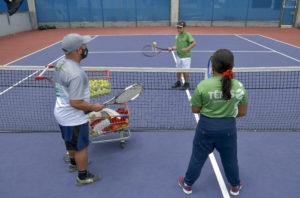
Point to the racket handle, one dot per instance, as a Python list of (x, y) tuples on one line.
[(87, 112)]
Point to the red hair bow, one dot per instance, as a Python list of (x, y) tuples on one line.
[(228, 73)]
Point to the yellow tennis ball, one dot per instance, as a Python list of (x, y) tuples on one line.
[(106, 84), (154, 43), (92, 83), (93, 94)]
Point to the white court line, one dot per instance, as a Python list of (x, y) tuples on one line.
[(118, 52), (201, 51), (279, 41), (166, 34), (211, 155), (268, 48), (7, 64), (19, 82)]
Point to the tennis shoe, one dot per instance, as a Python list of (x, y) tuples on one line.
[(90, 178), (235, 190), (185, 86), (177, 84), (72, 168), (186, 188)]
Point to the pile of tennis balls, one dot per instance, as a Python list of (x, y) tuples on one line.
[(99, 88)]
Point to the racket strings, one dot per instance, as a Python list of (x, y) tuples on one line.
[(129, 94), (150, 50)]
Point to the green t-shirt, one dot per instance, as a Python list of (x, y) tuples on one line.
[(208, 95), (182, 41)]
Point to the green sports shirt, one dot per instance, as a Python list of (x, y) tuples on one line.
[(182, 41), (208, 96)]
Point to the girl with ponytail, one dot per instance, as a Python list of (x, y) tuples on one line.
[(219, 100)]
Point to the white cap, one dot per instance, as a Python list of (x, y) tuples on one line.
[(72, 42)]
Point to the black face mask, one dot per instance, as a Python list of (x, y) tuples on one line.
[(84, 53)]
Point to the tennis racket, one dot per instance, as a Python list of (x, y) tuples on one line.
[(152, 50), (128, 94), (209, 69)]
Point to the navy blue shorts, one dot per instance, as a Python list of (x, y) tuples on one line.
[(76, 137)]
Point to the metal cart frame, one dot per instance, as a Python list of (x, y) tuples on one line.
[(118, 124)]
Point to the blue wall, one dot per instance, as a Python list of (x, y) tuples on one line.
[(23, 7), (230, 10), (102, 10), (157, 10)]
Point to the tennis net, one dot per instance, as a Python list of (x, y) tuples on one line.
[(274, 93)]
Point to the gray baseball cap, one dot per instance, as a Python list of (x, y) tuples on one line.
[(72, 42)]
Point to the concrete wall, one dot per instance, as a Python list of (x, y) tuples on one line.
[(32, 13), (297, 16), (174, 12), (18, 22)]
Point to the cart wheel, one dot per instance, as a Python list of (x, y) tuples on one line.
[(122, 145)]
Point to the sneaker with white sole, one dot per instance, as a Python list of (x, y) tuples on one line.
[(186, 188), (90, 178), (235, 190)]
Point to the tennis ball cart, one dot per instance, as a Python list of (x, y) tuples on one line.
[(111, 123), (108, 121)]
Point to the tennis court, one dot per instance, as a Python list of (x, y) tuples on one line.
[(125, 51), (159, 149)]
